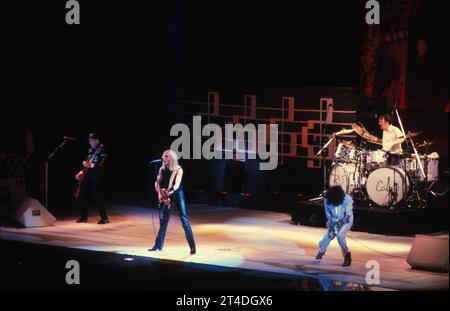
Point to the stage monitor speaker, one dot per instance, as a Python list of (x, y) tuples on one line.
[(31, 213), (429, 253)]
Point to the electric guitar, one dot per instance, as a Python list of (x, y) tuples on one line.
[(334, 227), (81, 175), (164, 197)]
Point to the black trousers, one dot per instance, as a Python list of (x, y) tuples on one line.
[(92, 191)]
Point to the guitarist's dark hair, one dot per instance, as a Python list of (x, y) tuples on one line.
[(335, 195)]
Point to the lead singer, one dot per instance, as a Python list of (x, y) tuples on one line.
[(170, 195), (339, 212)]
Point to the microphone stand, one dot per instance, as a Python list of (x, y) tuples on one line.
[(324, 126), (54, 152), (323, 153), (154, 163)]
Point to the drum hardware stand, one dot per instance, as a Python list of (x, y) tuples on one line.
[(428, 186), (429, 191), (416, 192), (415, 196), (426, 178), (392, 199), (436, 195), (358, 190), (362, 172), (422, 202), (393, 193), (412, 142)]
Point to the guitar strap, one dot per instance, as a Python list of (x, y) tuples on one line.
[(100, 148), (172, 177), (85, 170)]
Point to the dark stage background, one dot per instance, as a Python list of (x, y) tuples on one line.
[(124, 69)]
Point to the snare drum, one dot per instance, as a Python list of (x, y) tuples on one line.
[(377, 157)]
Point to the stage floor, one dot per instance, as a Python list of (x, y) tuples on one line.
[(237, 238)]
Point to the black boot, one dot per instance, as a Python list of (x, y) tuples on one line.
[(320, 255), (193, 250), (347, 260), (82, 219), (103, 221), (154, 249)]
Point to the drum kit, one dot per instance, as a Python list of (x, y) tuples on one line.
[(378, 177)]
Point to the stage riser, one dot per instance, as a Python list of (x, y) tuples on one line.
[(404, 222)]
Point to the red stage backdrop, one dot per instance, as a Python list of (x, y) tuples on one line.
[(405, 58)]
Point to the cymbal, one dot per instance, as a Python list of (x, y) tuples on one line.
[(425, 144), (344, 132), (358, 129), (361, 131), (413, 134)]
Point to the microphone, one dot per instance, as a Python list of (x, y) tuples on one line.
[(156, 161), (69, 138)]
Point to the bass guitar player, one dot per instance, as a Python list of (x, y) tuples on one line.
[(91, 180)]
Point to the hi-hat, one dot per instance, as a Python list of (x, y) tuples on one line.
[(413, 134), (425, 144)]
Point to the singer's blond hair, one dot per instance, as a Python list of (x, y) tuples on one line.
[(173, 160)]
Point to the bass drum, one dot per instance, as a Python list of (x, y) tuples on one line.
[(387, 186), (346, 176)]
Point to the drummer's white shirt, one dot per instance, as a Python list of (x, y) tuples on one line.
[(389, 136)]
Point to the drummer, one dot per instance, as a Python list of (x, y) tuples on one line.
[(392, 139)]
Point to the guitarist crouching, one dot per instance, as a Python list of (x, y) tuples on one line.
[(339, 212), (91, 179)]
